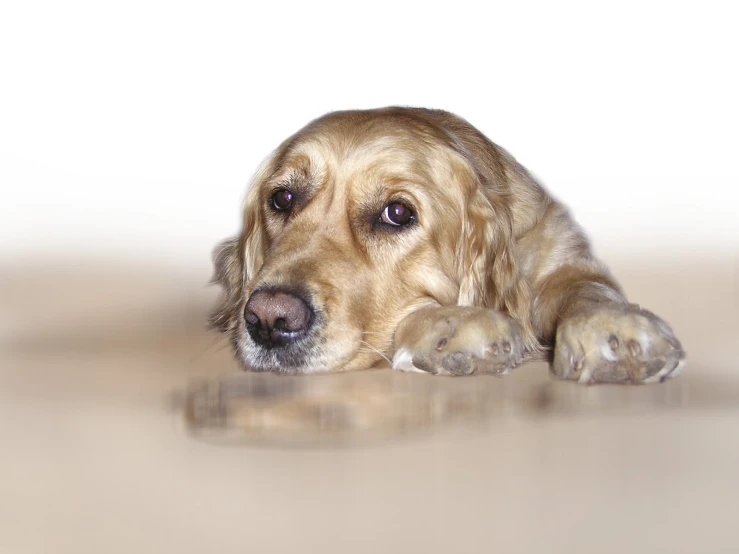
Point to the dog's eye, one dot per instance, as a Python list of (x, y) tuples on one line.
[(282, 200), (397, 214)]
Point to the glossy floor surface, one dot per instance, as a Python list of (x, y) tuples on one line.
[(116, 438)]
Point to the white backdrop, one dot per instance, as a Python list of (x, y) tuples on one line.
[(132, 128)]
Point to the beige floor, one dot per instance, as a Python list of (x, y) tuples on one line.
[(96, 360)]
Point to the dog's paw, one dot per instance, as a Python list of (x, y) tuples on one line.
[(616, 344), (458, 340)]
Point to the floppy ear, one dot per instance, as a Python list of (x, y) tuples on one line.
[(489, 274), (228, 274), (238, 259)]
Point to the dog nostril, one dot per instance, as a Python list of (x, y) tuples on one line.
[(251, 317)]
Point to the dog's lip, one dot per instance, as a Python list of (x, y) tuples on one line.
[(279, 338), (306, 356)]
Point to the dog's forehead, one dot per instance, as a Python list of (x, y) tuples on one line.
[(359, 159)]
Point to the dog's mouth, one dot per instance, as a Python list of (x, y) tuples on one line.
[(289, 326), (295, 352), (281, 349)]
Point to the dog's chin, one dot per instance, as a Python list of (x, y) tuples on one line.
[(294, 360)]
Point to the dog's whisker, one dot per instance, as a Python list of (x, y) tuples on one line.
[(374, 333), (376, 351)]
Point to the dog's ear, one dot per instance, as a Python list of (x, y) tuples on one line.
[(238, 259), (488, 272), (228, 274)]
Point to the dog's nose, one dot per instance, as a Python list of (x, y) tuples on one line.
[(277, 317)]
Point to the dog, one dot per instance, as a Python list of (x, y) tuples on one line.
[(405, 237)]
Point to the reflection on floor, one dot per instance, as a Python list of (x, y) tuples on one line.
[(116, 404)]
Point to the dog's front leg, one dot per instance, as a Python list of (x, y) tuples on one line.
[(600, 337), (457, 340)]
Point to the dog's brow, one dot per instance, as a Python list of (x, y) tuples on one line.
[(300, 169), (290, 178), (401, 186)]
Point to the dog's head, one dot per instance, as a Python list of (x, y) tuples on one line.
[(353, 223)]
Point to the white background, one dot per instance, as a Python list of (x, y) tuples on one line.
[(132, 128)]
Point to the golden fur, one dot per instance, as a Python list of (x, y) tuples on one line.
[(486, 235)]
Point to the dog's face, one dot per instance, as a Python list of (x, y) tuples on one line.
[(357, 220)]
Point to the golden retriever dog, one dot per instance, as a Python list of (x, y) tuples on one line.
[(404, 236)]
